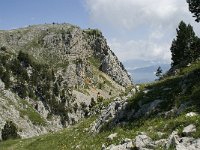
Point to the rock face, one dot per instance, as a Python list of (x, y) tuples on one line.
[(12, 108), (116, 112), (112, 111), (62, 44), (54, 74)]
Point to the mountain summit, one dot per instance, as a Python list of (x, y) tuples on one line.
[(53, 75)]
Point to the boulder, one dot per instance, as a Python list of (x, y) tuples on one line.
[(125, 145), (172, 140), (188, 143), (112, 136), (184, 143), (143, 141), (191, 114), (189, 129)]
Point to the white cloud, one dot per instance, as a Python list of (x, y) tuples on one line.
[(155, 20), (145, 50), (131, 13)]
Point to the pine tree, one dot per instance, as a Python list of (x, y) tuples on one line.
[(194, 7), (159, 72), (182, 45), (190, 39), (195, 49)]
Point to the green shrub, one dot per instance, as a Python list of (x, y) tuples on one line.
[(21, 90), (195, 96), (24, 58), (6, 79), (93, 103), (56, 89), (93, 32), (83, 105), (1, 71), (100, 86), (9, 131), (3, 48), (99, 99)]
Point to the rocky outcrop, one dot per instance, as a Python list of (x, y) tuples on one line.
[(182, 143), (112, 111), (116, 112), (144, 142), (126, 144), (21, 114), (62, 44), (60, 72), (189, 129)]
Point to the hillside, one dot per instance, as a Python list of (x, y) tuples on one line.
[(159, 115), (53, 75)]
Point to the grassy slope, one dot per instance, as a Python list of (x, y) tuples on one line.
[(76, 135)]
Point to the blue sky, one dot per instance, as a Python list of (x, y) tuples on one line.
[(19, 13), (138, 31)]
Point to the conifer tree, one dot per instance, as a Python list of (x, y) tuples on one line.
[(159, 72), (181, 47), (194, 7)]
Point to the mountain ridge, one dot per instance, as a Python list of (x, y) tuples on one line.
[(54, 74)]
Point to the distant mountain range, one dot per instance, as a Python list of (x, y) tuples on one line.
[(146, 74)]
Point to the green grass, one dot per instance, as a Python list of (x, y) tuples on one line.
[(95, 62), (105, 81), (75, 136), (169, 90), (191, 68), (34, 116)]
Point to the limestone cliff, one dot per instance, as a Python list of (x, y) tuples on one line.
[(54, 74)]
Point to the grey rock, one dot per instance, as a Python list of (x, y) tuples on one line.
[(189, 129), (191, 114), (160, 143), (42, 110), (112, 136), (146, 91), (184, 143), (2, 85), (143, 141), (182, 108), (103, 147), (124, 146), (137, 88), (107, 114), (133, 91), (172, 140), (61, 45), (147, 109)]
